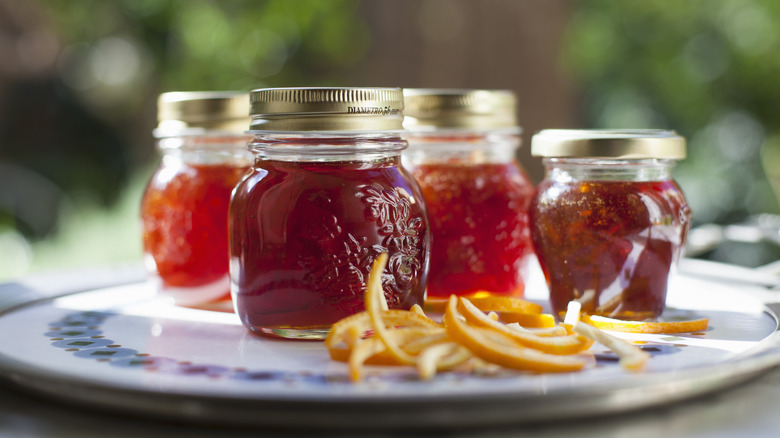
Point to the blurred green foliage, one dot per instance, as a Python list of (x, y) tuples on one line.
[(115, 58), (705, 68), (240, 44)]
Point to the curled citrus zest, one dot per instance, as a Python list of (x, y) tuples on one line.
[(527, 320), (631, 357), (557, 330), (561, 345), (505, 304), (460, 356), (373, 350), (440, 357), (471, 337), (360, 353), (497, 348), (374, 298), (361, 322), (415, 346), (572, 313), (343, 353), (488, 303), (650, 327), (340, 353)]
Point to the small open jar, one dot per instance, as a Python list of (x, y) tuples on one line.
[(185, 206), (325, 197), (608, 222), (462, 146)]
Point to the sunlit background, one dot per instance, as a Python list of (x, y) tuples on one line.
[(79, 79)]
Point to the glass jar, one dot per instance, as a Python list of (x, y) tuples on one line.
[(325, 197), (462, 146), (185, 206), (608, 222)]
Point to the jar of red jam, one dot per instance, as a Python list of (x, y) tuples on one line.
[(609, 222), (462, 146), (326, 195), (185, 206)]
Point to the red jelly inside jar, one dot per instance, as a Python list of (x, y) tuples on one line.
[(304, 236), (184, 212), (479, 223), (609, 244)]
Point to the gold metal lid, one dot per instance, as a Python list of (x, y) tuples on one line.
[(183, 112), (326, 109), (427, 109), (621, 144)]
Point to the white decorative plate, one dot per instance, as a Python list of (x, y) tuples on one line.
[(125, 349)]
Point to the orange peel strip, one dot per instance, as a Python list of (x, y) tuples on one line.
[(557, 330), (631, 357), (343, 353), (418, 310), (360, 353), (527, 320), (474, 335), (374, 300), (409, 338), (340, 353), (362, 322), (650, 327), (416, 346), (441, 357), (374, 352), (505, 304), (573, 311), (491, 303), (500, 349), (559, 345)]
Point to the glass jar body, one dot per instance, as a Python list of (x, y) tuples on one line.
[(477, 196), (306, 224), (184, 217), (609, 233)]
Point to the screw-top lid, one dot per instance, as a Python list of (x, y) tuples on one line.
[(621, 144), (327, 109), (184, 112), (427, 109)]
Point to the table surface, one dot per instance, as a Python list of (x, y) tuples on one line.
[(749, 409)]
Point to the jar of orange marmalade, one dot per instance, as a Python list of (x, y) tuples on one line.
[(609, 222), (462, 146), (325, 197), (184, 208)]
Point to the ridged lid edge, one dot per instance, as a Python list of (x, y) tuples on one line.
[(619, 144)]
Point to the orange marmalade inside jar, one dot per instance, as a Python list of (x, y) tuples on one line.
[(608, 222), (185, 205), (462, 146)]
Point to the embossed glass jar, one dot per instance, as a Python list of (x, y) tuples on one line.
[(609, 222), (325, 197), (184, 209), (462, 146)]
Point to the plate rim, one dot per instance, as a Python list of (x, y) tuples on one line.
[(438, 410)]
